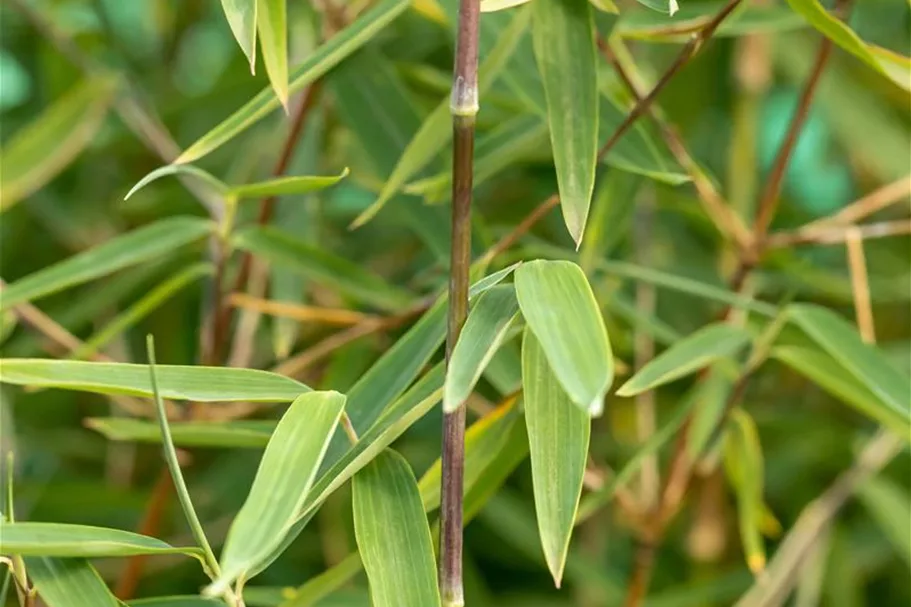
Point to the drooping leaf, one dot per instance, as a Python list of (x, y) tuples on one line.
[(827, 373), (560, 308), (210, 180), (146, 304), (178, 382), (393, 535), (744, 464), (750, 19), (436, 131), (245, 433), (69, 583), (241, 15), (558, 436), (696, 351), (62, 540), (147, 243), (893, 66), (286, 473), (484, 331), (43, 148), (330, 54), (282, 186), (866, 363), (271, 23), (321, 266), (564, 43)]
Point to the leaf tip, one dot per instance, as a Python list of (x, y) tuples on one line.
[(756, 563)]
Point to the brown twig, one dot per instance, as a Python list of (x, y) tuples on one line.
[(860, 285), (329, 316), (835, 234), (873, 202), (688, 52), (151, 521)]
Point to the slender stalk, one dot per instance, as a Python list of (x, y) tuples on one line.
[(464, 108)]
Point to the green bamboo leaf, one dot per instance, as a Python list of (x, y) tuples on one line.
[(750, 19), (61, 540), (668, 7), (142, 308), (866, 363), (744, 465), (69, 583), (696, 351), (40, 150), (484, 331), (245, 433), (286, 185), (827, 373), (147, 243), (178, 382), (558, 437), (564, 43), (271, 23), (484, 441), (241, 16), (393, 535), (889, 506), (210, 180), (392, 423), (436, 131), (560, 308), (286, 473), (712, 395), (606, 6), (321, 266), (330, 54), (895, 67)]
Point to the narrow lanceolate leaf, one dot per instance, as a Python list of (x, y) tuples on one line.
[(286, 473), (271, 23), (865, 362), (828, 374), (695, 352), (180, 169), (69, 583), (321, 61), (285, 186), (151, 242), (560, 308), (436, 131), (61, 540), (139, 310), (321, 266), (564, 43), (393, 535), (245, 433), (241, 15), (43, 148), (744, 465), (484, 331), (178, 382), (558, 435), (895, 67)]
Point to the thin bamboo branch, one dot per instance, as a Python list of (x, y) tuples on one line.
[(836, 234), (464, 108), (873, 202), (860, 285)]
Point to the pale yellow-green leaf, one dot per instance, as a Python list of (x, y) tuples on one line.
[(241, 16), (64, 540), (271, 23), (558, 437)]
